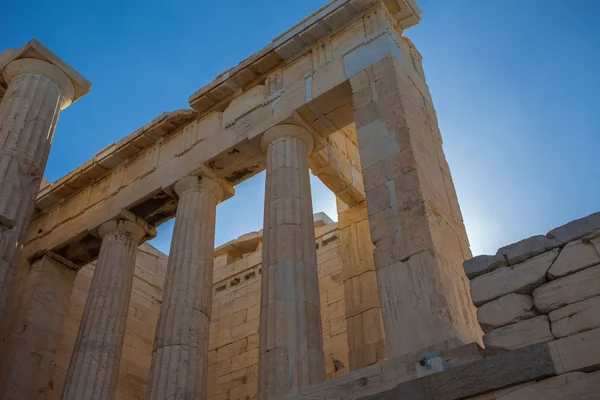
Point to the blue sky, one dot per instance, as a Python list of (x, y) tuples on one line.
[(515, 84)]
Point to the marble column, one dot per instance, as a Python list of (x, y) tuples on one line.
[(37, 91), (29, 353), (291, 343), (95, 361), (180, 355)]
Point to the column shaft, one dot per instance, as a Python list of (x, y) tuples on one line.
[(291, 344), (180, 356), (95, 361), (28, 115)]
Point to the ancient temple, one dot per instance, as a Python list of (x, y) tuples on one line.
[(387, 303)]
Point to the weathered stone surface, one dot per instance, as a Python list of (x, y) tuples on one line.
[(594, 240), (505, 310), (366, 337), (527, 248), (520, 278), (37, 91), (580, 352), (575, 318), (291, 352), (519, 367), (181, 340), (573, 257), (414, 216), (510, 368), (373, 381), (574, 385), (95, 361), (30, 352), (498, 394), (576, 229), (463, 355), (484, 264), (568, 290), (517, 335)]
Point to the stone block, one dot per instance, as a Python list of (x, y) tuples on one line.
[(520, 278), (575, 318), (527, 248), (568, 290), (594, 240), (498, 394), (506, 369), (574, 385), (505, 310), (509, 337), (484, 264), (580, 352), (576, 229), (573, 257), (465, 354)]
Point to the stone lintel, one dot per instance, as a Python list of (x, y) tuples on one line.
[(112, 156), (56, 257), (34, 49)]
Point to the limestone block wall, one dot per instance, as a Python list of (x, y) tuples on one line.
[(539, 289), (233, 357), (141, 323)]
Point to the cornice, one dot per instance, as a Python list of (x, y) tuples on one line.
[(292, 44)]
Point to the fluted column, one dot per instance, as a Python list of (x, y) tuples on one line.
[(291, 344), (36, 93), (180, 356), (95, 361)]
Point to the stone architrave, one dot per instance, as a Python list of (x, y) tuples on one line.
[(291, 345), (180, 356), (35, 340), (95, 361)]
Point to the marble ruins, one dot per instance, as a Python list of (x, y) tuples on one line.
[(379, 305)]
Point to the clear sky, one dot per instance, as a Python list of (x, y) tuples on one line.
[(515, 82)]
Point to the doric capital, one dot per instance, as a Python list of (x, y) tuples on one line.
[(78, 86), (287, 131), (47, 70), (137, 231), (198, 184)]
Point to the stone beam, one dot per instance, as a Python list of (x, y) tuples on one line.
[(337, 166)]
